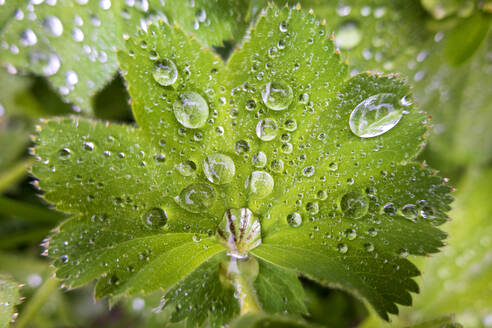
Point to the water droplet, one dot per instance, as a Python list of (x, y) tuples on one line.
[(290, 125), (294, 219), (348, 35), (64, 153), (389, 209), (333, 166), (77, 35), (369, 247), (89, 146), (259, 159), (186, 168), (28, 38), (191, 110), (350, 234), (403, 252), (322, 195), (283, 26), (354, 205), (267, 129), (375, 115), (196, 197), (219, 168), (53, 25), (308, 171), (277, 165), (160, 158), (342, 248), (165, 72), (240, 232), (410, 212), (241, 146), (277, 95), (71, 78), (155, 218), (105, 4), (259, 184), (312, 208)]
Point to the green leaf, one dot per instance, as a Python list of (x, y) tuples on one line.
[(229, 159), (9, 296), (465, 39), (70, 43), (261, 320)]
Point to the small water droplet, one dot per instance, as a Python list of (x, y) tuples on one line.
[(71, 78), (312, 208), (165, 72), (410, 212), (64, 153), (369, 247), (191, 110), (89, 146), (241, 146), (259, 159), (277, 166), (354, 205), (267, 129), (342, 248), (77, 35), (259, 184), (28, 38), (219, 168), (350, 234), (290, 125), (155, 218), (375, 115), (53, 25), (186, 168), (389, 209), (196, 197), (308, 171), (277, 95), (283, 26), (294, 219), (348, 35)]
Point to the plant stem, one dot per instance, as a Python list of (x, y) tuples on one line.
[(37, 301), (243, 278)]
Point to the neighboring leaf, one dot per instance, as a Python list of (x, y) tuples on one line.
[(9, 298), (261, 320), (265, 140), (71, 43), (465, 39), (458, 280)]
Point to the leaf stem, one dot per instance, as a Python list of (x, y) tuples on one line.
[(37, 301), (243, 283)]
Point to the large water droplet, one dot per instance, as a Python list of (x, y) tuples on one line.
[(155, 218), (294, 219), (259, 184), (354, 205), (239, 231), (267, 129), (191, 110), (348, 35), (277, 95), (375, 115), (410, 212), (165, 72), (196, 197), (219, 168)]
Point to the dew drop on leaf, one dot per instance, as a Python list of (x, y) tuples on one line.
[(259, 160), (196, 197), (290, 125), (410, 212), (267, 129), (240, 232), (191, 110), (312, 208), (89, 146), (342, 248), (259, 184), (294, 219), (369, 247), (277, 95), (53, 25), (277, 166), (155, 218), (375, 115), (28, 38), (354, 205), (186, 168), (308, 171), (241, 146), (64, 153), (350, 234), (348, 35), (219, 168), (165, 72)]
